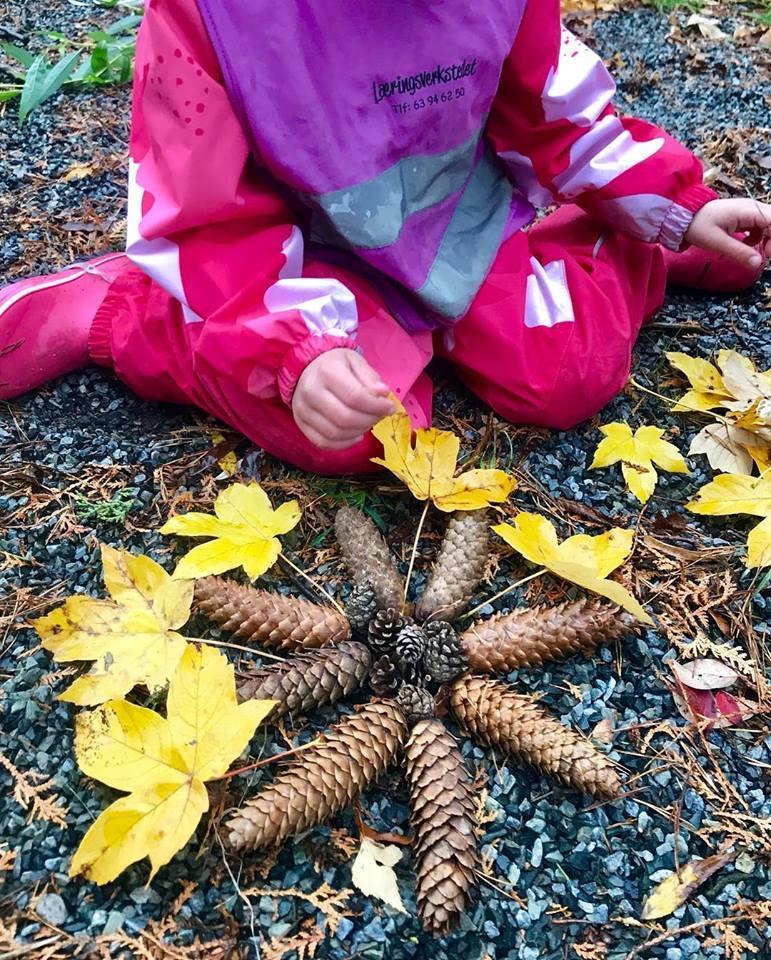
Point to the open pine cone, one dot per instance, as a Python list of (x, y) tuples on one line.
[(406, 662)]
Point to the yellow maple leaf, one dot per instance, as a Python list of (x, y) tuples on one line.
[(132, 637), (582, 559), (162, 763), (708, 390), (637, 453), (427, 466), (244, 532), (730, 494)]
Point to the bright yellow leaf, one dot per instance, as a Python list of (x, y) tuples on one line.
[(244, 528), (675, 889), (131, 637), (759, 545), (637, 453), (428, 463), (708, 391), (581, 559), (730, 494), (163, 762)]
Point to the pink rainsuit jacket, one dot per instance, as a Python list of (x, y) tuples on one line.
[(401, 141)]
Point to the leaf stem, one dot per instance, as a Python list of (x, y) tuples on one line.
[(273, 759), (235, 646), (502, 593), (316, 586), (674, 403), (414, 554)]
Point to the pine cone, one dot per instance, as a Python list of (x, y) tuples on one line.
[(410, 645), (361, 607), (443, 815), (311, 679), (269, 619), (443, 659), (529, 637), (385, 677), (492, 714), (384, 629), (324, 779), (415, 702), (458, 567), (367, 556)]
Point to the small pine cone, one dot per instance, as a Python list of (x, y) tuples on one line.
[(361, 607), (367, 555), (385, 678), (324, 779), (443, 819), (384, 629), (492, 714), (410, 645), (444, 658), (269, 619), (415, 702), (458, 568), (529, 637), (312, 679)]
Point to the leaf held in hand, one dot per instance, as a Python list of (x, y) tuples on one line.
[(638, 452), (675, 890), (373, 872), (582, 559), (163, 762), (244, 532), (427, 466), (131, 637)]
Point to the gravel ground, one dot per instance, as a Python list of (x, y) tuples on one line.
[(567, 878)]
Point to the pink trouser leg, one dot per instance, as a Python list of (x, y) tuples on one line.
[(551, 344), (140, 332)]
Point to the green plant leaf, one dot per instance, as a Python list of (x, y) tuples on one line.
[(43, 82), (124, 25), (8, 95), (24, 57)]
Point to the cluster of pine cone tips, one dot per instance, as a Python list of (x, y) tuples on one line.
[(415, 666)]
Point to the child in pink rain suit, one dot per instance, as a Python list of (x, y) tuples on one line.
[(325, 195)]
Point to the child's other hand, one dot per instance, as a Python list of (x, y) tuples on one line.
[(338, 398), (714, 227)]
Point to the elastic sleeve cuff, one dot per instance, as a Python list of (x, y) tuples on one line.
[(303, 353), (680, 214)]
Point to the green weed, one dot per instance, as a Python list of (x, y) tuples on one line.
[(104, 57)]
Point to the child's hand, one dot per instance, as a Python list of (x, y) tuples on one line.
[(338, 398), (714, 226)]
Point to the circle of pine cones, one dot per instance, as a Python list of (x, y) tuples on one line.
[(409, 663)]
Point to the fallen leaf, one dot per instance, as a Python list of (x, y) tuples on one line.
[(708, 390), (79, 171), (132, 637), (427, 465), (373, 872), (637, 452), (731, 494), (604, 731), (581, 559), (726, 447), (719, 709), (704, 673), (162, 763), (675, 890), (708, 27), (228, 462), (244, 529)]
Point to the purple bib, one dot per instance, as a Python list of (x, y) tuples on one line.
[(372, 115)]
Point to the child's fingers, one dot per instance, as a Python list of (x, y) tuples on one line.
[(722, 242), (366, 375)]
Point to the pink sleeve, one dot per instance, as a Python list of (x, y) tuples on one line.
[(554, 127), (205, 225)]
